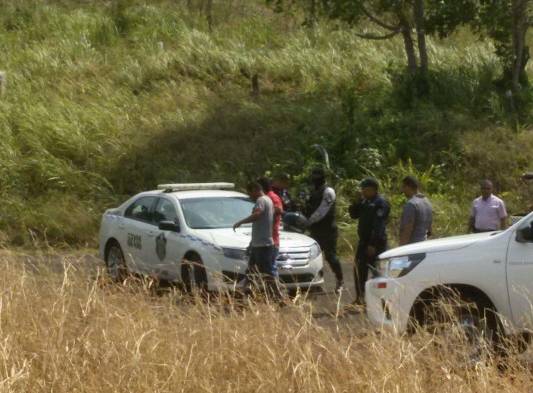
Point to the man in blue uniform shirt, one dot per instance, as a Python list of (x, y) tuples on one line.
[(372, 211)]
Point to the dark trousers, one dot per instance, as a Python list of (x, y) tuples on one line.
[(328, 244), (260, 271), (364, 264), (275, 254)]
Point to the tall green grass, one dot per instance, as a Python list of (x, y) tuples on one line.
[(105, 99)]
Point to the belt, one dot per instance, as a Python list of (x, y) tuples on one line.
[(476, 230)]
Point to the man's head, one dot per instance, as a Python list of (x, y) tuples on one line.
[(318, 177), (265, 183), (410, 186), (486, 188), (254, 190), (369, 188), (281, 181)]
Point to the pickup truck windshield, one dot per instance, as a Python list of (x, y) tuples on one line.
[(215, 212)]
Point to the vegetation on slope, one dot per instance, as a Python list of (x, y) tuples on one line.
[(105, 99)]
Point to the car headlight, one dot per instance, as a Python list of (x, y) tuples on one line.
[(314, 252), (399, 266), (235, 253)]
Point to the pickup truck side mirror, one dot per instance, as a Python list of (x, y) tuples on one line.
[(169, 226), (525, 235)]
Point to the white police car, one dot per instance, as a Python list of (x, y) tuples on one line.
[(183, 233)]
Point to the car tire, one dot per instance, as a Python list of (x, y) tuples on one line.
[(115, 262), (193, 274)]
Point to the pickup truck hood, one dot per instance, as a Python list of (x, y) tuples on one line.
[(438, 245), (241, 238)]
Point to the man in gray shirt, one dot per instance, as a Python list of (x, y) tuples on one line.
[(262, 244), (417, 216)]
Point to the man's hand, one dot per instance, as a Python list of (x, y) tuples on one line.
[(236, 225), (527, 176), (371, 251)]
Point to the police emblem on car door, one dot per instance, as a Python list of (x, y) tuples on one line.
[(161, 246)]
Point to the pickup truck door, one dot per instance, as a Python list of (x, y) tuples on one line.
[(166, 248), (139, 228), (520, 278)]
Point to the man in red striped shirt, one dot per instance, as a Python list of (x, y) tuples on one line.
[(266, 183)]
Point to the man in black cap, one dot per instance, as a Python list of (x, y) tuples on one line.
[(320, 210), (372, 211)]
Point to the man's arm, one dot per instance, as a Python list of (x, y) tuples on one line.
[(407, 224), (278, 207), (328, 199), (504, 224), (471, 224), (256, 214), (472, 220), (379, 228), (503, 216)]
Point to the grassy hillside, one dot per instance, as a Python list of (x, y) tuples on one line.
[(105, 99)]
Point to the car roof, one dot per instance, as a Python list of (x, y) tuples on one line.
[(196, 194)]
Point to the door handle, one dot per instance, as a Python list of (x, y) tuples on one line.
[(150, 233)]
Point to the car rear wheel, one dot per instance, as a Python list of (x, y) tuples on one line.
[(116, 263), (193, 274)]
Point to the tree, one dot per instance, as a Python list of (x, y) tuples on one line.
[(388, 18), (506, 22)]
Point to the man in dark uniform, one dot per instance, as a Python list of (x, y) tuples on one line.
[(372, 211), (320, 210)]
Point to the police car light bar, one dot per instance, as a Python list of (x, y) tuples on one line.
[(195, 186)]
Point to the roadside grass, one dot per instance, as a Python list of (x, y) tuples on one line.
[(65, 328)]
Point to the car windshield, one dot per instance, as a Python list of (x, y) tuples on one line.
[(215, 212)]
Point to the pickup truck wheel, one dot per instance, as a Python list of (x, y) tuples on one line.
[(116, 263), (193, 274), (466, 325)]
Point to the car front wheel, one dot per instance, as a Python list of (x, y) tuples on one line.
[(193, 274)]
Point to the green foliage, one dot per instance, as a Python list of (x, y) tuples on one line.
[(105, 99)]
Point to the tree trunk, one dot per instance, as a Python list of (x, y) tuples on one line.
[(408, 44), (421, 34), (312, 13), (520, 27), (209, 13), (255, 85)]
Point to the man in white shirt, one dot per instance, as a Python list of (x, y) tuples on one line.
[(488, 211)]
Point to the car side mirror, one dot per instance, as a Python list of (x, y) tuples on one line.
[(524, 235), (169, 226)]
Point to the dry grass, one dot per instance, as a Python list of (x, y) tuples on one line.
[(72, 331)]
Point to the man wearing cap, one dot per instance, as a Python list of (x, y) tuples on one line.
[(488, 211), (372, 211), (322, 223)]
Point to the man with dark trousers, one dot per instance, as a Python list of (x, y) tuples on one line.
[(320, 210), (372, 211)]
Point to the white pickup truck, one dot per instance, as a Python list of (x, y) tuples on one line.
[(493, 271)]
